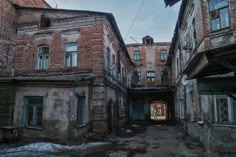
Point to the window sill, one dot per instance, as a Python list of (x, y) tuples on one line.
[(82, 126), (225, 125), (33, 128), (220, 31)]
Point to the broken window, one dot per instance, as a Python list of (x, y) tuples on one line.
[(137, 55), (219, 13), (33, 111), (225, 109), (45, 22), (150, 78), (71, 51), (43, 58), (81, 111), (163, 55)]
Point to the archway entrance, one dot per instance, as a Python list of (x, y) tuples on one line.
[(158, 111)]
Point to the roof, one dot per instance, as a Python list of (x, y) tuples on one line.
[(110, 17), (155, 44), (171, 2), (177, 26), (215, 61), (75, 78)]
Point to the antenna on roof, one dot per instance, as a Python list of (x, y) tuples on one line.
[(134, 39)]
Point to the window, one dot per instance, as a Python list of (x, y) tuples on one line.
[(139, 78), (163, 55), (43, 58), (45, 22), (108, 59), (150, 78), (81, 111), (33, 111), (219, 12), (225, 110), (137, 55), (71, 51), (121, 106), (164, 78)]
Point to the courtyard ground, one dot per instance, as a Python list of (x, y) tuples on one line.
[(136, 140)]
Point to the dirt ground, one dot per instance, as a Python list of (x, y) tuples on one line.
[(135, 140), (150, 140)]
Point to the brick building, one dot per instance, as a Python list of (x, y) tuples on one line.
[(152, 78), (203, 64), (69, 71), (7, 53)]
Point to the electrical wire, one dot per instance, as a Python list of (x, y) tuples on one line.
[(135, 19)]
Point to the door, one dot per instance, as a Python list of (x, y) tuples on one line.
[(138, 110)]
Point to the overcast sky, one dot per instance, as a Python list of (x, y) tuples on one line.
[(154, 19)]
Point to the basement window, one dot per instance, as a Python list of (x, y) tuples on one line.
[(81, 111), (219, 14), (43, 58), (71, 51), (33, 112)]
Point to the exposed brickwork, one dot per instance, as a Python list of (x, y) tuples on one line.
[(7, 37), (150, 60)]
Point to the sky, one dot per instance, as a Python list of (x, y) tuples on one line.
[(154, 19)]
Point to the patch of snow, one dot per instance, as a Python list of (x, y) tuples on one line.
[(43, 148)]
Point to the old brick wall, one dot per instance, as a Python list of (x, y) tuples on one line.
[(31, 3), (7, 38), (82, 30), (150, 61)]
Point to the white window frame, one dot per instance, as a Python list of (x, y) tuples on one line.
[(44, 63)]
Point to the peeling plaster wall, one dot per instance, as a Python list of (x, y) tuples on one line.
[(59, 113)]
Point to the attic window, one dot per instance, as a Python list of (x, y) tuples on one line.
[(45, 22), (148, 41)]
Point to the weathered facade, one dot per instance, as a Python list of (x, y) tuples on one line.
[(203, 65), (69, 73), (152, 81)]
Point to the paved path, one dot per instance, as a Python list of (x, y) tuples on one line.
[(153, 141)]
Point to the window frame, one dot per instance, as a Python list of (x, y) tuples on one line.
[(218, 11), (150, 78), (165, 57), (34, 114), (137, 57), (70, 53), (164, 78), (44, 55), (81, 118), (230, 108)]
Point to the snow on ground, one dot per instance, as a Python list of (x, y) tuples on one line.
[(48, 149)]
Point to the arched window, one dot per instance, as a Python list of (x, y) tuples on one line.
[(43, 58)]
